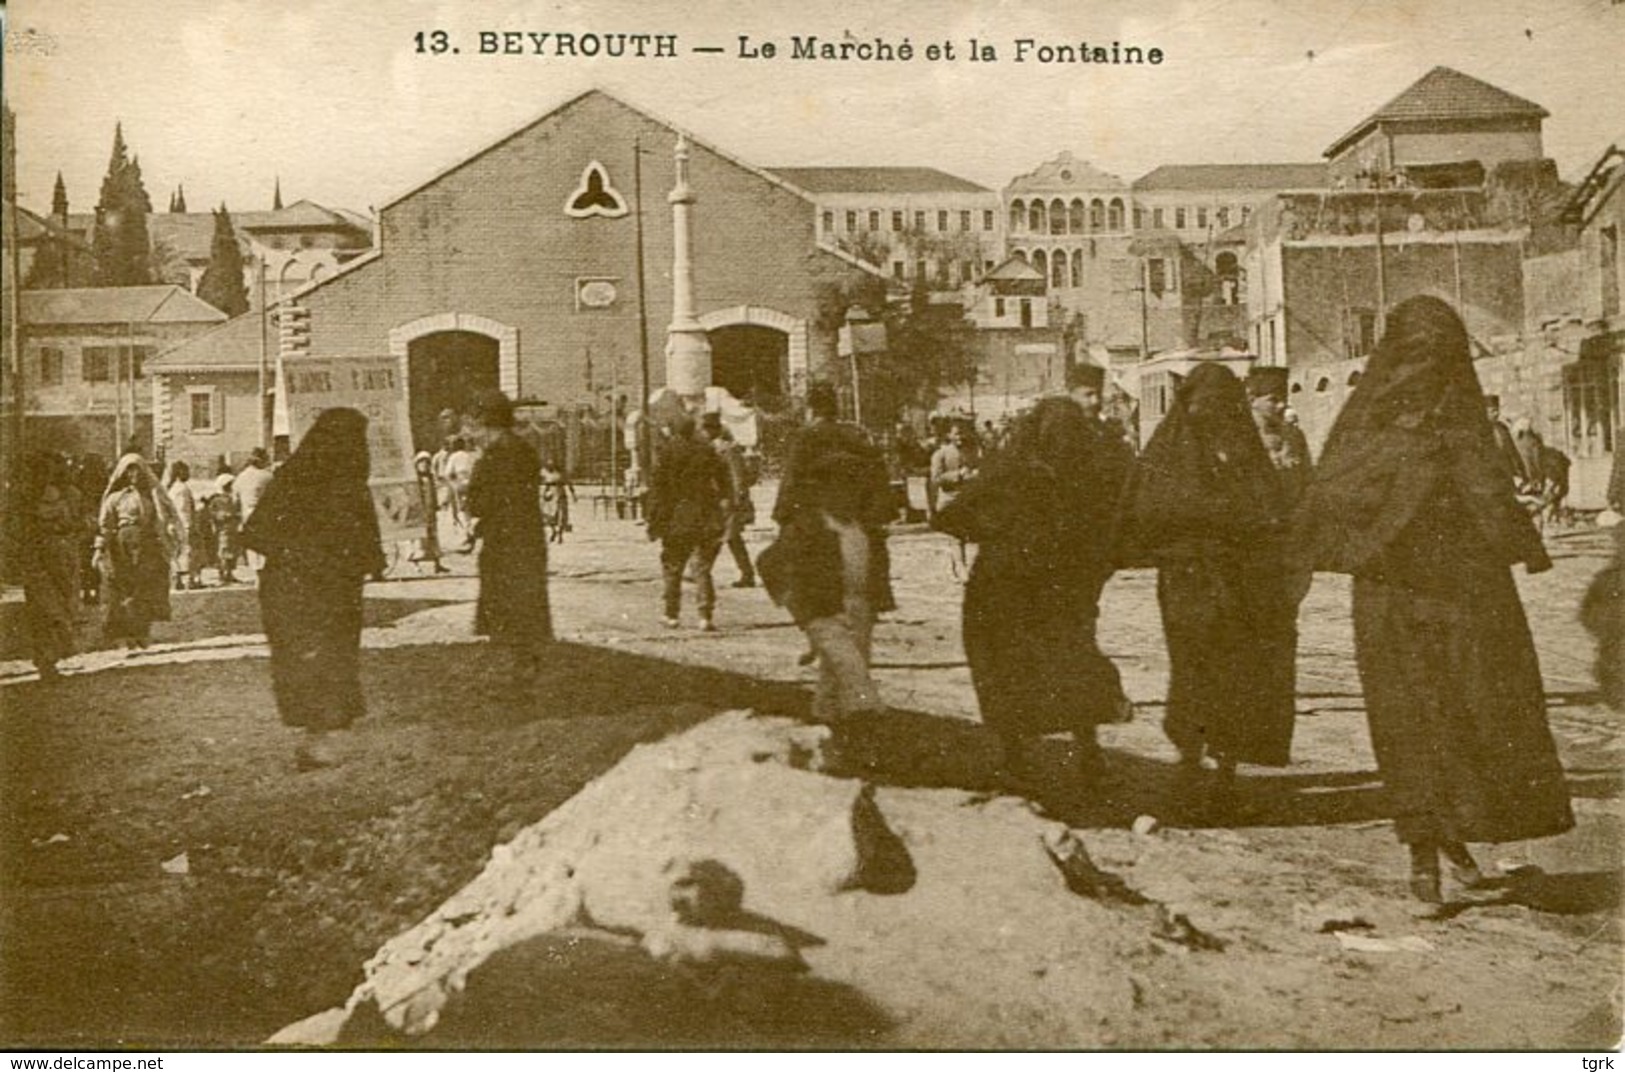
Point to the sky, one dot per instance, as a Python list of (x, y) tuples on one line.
[(226, 96)]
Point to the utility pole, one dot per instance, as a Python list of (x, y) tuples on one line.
[(1382, 268), (265, 365), (643, 310)]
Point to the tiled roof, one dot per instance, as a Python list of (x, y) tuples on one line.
[(876, 180), (190, 234), (1015, 268), (162, 304), (1444, 93), (1262, 177), (33, 228), (233, 345)]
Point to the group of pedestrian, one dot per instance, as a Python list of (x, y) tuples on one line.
[(1412, 498)]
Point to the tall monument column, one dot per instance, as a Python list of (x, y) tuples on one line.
[(688, 349)]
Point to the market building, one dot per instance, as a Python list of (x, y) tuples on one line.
[(519, 268)]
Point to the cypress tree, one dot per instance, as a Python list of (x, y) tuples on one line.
[(222, 284), (120, 246)]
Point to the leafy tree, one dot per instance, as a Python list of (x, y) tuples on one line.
[(120, 245), (929, 346), (222, 283)]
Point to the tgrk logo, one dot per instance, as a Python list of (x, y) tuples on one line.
[(1597, 1064)]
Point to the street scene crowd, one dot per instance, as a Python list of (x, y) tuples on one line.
[(1421, 495)]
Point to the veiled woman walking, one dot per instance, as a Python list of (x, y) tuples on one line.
[(46, 556), (1040, 514), (136, 536), (318, 531), (1413, 499), (1205, 508)]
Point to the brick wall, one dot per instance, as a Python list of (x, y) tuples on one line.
[(491, 239)]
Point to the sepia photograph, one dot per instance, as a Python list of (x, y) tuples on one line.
[(991, 525)]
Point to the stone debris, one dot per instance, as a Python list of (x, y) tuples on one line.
[(1145, 825), (177, 865), (1360, 943), (711, 824), (54, 839)]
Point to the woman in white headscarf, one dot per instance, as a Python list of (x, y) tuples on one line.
[(136, 536)]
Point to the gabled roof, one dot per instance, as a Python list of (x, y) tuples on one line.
[(1066, 171), (1258, 177), (33, 228), (877, 180), (1014, 269), (1444, 93), (233, 346), (160, 304), (573, 102)]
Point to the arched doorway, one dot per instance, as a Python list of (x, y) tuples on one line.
[(444, 369), (752, 362)]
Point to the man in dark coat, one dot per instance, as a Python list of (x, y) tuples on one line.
[(690, 493), (1506, 446), (741, 510), (504, 501)]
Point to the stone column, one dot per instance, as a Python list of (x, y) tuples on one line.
[(688, 349)]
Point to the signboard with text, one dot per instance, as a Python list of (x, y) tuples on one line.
[(373, 386)]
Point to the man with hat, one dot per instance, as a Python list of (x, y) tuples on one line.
[(1284, 442), (1288, 450), (690, 494)]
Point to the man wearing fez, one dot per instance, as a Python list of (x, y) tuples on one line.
[(1288, 451), (1284, 442)]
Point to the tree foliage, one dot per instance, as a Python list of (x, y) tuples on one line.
[(119, 245), (929, 345), (222, 284)]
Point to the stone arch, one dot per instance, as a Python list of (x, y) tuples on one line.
[(1057, 216), (795, 329), (1018, 216), (506, 336)]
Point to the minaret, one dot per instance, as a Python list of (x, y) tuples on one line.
[(276, 197), (688, 350)]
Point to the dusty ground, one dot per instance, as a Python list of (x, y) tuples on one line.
[(294, 879)]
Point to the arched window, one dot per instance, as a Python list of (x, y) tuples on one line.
[(1114, 221), (1097, 215), (1041, 262), (1077, 267), (1075, 216), (1322, 385), (1020, 255), (1057, 269), (1354, 377), (1018, 216), (1057, 216), (1035, 218)]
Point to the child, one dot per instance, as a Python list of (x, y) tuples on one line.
[(557, 493)]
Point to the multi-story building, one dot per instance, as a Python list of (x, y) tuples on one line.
[(1412, 211), (85, 361), (1443, 120), (917, 224), (297, 245), (1071, 222)]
